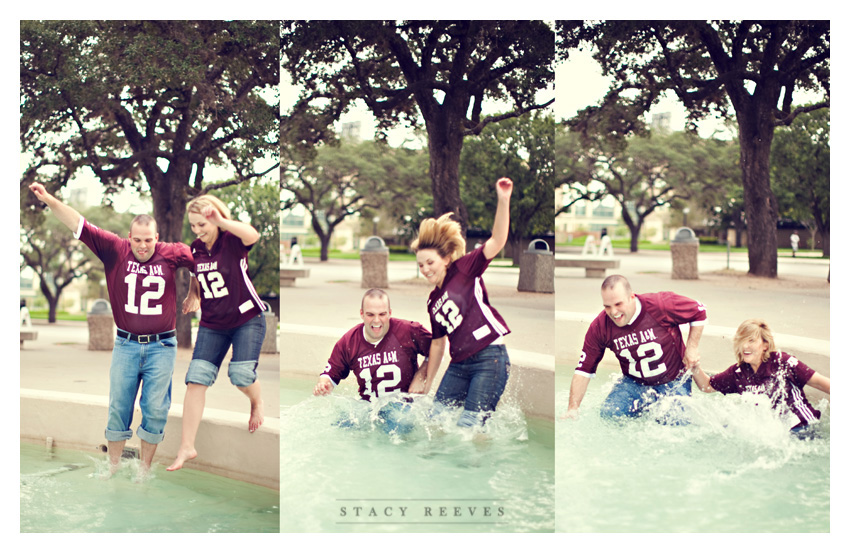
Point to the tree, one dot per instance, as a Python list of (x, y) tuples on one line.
[(752, 68), (574, 170), (521, 149), (441, 71), (149, 104), (800, 171), (57, 258), (352, 178)]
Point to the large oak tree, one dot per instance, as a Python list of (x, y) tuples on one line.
[(752, 69), (151, 105), (441, 71)]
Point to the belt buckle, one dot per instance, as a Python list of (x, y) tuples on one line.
[(147, 339)]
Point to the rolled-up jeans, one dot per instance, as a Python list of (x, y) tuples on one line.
[(476, 383), (149, 366)]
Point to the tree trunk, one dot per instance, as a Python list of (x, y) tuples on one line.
[(52, 304), (759, 201), (325, 241), (169, 209), (324, 237), (445, 142), (52, 299)]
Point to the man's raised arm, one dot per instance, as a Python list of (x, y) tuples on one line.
[(67, 215)]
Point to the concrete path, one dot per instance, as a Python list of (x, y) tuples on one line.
[(59, 360)]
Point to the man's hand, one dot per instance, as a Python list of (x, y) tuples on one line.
[(417, 385), (39, 191), (691, 358), (323, 387)]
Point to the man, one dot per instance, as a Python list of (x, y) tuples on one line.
[(643, 331), (382, 353), (795, 242), (140, 279)]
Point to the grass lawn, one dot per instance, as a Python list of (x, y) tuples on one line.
[(60, 315)]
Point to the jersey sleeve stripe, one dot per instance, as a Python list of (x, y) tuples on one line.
[(243, 264), (485, 309)]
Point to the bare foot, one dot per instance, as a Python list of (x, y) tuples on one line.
[(183, 455), (256, 416)]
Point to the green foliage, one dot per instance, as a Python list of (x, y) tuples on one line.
[(148, 103), (751, 69), (257, 203), (369, 178), (521, 149), (800, 169), (439, 71)]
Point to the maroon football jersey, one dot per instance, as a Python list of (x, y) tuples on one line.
[(387, 366), (142, 295), (651, 348), (228, 298), (461, 310), (782, 378)]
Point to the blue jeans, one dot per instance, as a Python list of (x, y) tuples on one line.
[(630, 399), (476, 383), (151, 366), (212, 345)]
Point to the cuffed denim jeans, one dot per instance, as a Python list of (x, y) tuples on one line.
[(150, 366), (476, 383), (212, 345)]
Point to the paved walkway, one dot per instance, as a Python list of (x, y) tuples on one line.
[(59, 360)]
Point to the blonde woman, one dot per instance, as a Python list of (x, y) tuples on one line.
[(460, 311), (231, 314), (762, 369)]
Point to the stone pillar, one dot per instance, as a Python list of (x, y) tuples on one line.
[(374, 258), (270, 339), (537, 268), (685, 249), (101, 326)]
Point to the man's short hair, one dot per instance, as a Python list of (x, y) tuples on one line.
[(613, 280), (144, 220), (374, 293)]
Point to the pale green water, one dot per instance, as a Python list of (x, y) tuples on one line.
[(735, 468), (64, 492), (438, 478)]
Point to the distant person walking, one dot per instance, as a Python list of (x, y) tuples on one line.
[(795, 241)]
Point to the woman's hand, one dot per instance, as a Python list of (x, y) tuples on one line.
[(504, 188)]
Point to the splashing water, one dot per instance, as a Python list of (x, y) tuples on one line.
[(735, 467), (352, 466)]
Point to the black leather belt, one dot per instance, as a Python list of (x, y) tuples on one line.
[(146, 338)]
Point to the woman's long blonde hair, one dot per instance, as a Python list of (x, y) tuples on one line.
[(198, 204), (443, 235), (749, 329)]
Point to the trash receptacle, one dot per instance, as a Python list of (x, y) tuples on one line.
[(684, 248), (374, 258), (270, 339), (101, 326), (537, 268)]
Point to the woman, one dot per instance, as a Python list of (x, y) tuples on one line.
[(460, 311), (761, 369), (231, 314)]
